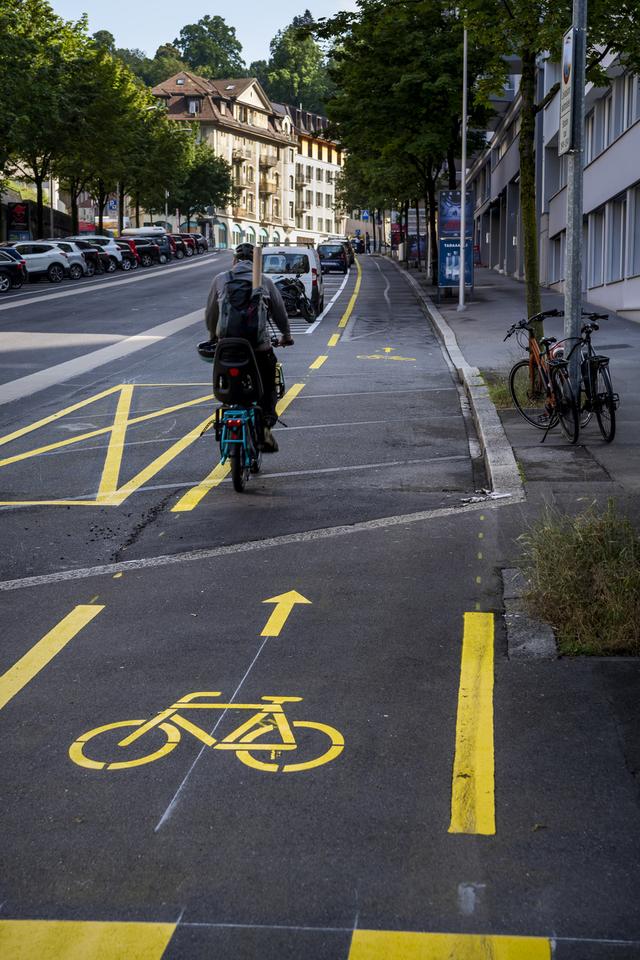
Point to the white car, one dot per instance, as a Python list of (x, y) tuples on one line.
[(43, 259), (302, 262), (77, 263), (108, 244)]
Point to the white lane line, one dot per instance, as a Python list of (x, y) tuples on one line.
[(306, 536), (101, 286), (331, 302), (26, 386)]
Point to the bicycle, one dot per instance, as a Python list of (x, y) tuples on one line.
[(539, 385), (268, 717), (596, 390)]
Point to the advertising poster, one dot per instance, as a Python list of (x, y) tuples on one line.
[(18, 221), (449, 213), (449, 262)]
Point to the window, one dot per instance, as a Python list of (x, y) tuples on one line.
[(194, 105), (607, 107), (596, 243), (291, 183), (318, 173), (328, 200), (616, 230), (635, 239), (318, 199), (564, 171), (589, 134), (309, 152), (320, 224), (329, 226), (330, 157), (291, 156), (250, 174), (286, 263), (251, 203), (290, 209), (557, 258), (309, 197), (276, 207), (309, 173), (309, 222), (629, 92), (329, 176)]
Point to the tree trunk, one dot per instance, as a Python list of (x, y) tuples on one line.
[(433, 236), (137, 209), (39, 179), (418, 231), (121, 196), (405, 235), (74, 190), (528, 186)]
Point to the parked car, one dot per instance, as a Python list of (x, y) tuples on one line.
[(77, 263), (333, 256), (107, 243), (302, 262), (202, 243), (93, 256), (106, 259), (13, 271), (157, 235), (346, 243), (43, 260), (148, 250), (130, 256), (180, 251), (190, 240)]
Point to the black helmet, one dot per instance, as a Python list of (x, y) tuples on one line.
[(244, 251)]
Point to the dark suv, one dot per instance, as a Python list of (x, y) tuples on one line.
[(149, 250), (333, 256)]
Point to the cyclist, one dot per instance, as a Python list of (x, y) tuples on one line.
[(265, 357)]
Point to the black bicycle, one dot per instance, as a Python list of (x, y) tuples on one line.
[(596, 390)]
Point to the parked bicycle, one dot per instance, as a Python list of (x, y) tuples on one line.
[(540, 385), (596, 391)]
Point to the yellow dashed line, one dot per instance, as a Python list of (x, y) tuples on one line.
[(333, 341), (317, 363)]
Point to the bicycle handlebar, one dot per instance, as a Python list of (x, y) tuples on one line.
[(526, 324)]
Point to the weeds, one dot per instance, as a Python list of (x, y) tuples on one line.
[(498, 387), (584, 575)]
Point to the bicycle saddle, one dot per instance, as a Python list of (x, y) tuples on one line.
[(549, 340)]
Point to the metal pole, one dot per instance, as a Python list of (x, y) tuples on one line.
[(463, 179), (51, 206), (573, 281)]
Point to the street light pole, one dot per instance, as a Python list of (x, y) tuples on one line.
[(573, 281), (463, 178)]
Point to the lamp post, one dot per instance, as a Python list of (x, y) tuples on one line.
[(463, 179)]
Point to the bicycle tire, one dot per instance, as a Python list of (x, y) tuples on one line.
[(566, 407), (530, 401), (76, 750), (238, 473), (335, 749), (605, 404)]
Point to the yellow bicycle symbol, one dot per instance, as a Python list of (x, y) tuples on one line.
[(268, 717)]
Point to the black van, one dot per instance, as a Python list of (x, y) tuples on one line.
[(333, 256)]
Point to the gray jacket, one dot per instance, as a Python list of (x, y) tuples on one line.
[(277, 311)]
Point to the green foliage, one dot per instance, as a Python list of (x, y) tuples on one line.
[(584, 573), (207, 182), (297, 71), (211, 47)]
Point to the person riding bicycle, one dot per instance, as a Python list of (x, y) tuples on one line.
[(265, 357)]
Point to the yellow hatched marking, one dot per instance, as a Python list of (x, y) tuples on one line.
[(28, 666), (354, 296), (473, 790), (394, 945), (83, 940), (113, 459), (56, 416), (317, 363), (193, 497), (333, 341)]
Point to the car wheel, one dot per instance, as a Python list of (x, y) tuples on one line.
[(126, 265), (113, 265), (147, 260), (5, 282), (55, 273), (179, 254), (75, 271), (163, 258), (189, 252), (134, 264)]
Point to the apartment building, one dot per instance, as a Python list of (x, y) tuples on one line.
[(611, 211), (284, 165)]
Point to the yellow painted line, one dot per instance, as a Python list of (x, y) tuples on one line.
[(285, 603), (473, 790), (333, 341), (83, 940), (395, 945), (113, 459), (56, 416), (100, 431), (28, 666), (354, 296), (317, 363), (193, 497)]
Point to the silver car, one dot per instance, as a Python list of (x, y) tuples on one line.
[(77, 263), (108, 244)]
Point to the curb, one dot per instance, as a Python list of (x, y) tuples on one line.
[(527, 639), (500, 462)]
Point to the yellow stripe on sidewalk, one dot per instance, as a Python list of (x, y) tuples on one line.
[(83, 940), (354, 296), (193, 497), (393, 945), (19, 675), (317, 363), (473, 789)]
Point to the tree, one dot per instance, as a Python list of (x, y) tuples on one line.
[(104, 39), (212, 47), (297, 71), (530, 30), (208, 183)]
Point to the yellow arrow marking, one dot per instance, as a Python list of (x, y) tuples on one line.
[(382, 356), (284, 605), (388, 349)]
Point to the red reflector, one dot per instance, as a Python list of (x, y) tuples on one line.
[(234, 372), (234, 423)]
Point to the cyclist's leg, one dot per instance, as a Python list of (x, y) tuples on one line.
[(266, 360)]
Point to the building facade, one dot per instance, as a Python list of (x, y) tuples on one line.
[(284, 166), (611, 211)]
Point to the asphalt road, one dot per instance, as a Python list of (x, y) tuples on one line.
[(383, 782)]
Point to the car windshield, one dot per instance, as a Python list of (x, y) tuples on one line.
[(285, 263), (326, 249)]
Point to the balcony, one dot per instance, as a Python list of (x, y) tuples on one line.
[(301, 207), (268, 160), (240, 211), (268, 186), (302, 179), (241, 153)]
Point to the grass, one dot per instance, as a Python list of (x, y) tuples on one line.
[(498, 387), (584, 575)]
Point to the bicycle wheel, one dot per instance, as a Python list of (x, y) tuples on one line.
[(238, 472), (529, 394), (605, 404), (335, 748), (76, 750), (566, 406)]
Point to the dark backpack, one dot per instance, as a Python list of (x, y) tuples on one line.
[(242, 311)]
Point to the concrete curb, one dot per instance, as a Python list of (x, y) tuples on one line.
[(500, 462), (527, 639)]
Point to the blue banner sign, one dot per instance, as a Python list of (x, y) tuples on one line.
[(449, 262)]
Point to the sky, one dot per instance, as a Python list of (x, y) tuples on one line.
[(146, 25)]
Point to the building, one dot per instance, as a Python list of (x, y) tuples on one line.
[(284, 165), (611, 264)]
